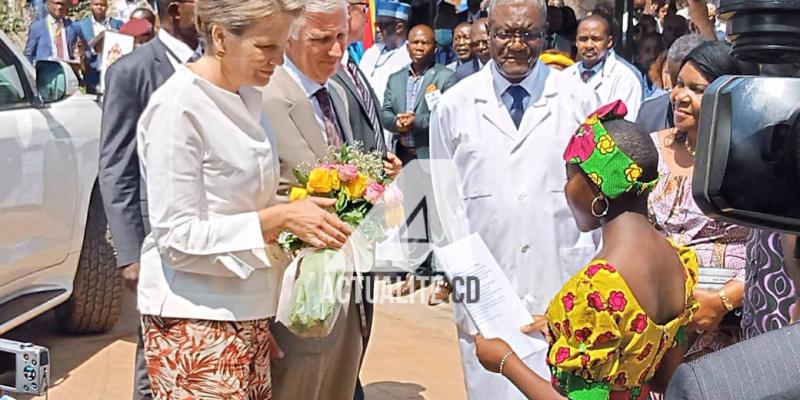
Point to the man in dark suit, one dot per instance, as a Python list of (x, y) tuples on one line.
[(406, 107), (54, 36), (93, 29), (479, 44), (366, 126), (129, 83)]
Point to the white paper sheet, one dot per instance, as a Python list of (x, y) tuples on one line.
[(497, 310)]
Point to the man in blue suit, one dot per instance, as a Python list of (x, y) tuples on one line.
[(91, 27), (52, 37)]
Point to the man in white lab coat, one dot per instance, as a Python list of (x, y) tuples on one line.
[(599, 67), (391, 54), (506, 128)]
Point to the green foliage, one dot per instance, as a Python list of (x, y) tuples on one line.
[(11, 21)]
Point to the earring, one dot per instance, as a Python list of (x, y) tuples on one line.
[(220, 54), (605, 209)]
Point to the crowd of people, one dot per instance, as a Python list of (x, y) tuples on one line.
[(205, 121)]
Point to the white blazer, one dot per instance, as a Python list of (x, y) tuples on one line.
[(618, 80), (512, 186), (210, 163)]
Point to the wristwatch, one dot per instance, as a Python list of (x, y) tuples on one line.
[(726, 302)]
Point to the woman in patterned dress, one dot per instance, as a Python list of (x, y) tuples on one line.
[(719, 246), (210, 271), (616, 328)]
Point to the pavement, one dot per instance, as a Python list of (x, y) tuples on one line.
[(412, 355)]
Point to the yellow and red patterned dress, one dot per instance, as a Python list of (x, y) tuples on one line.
[(602, 343)]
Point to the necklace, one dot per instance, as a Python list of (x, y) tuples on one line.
[(688, 148)]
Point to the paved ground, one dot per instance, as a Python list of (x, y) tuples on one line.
[(413, 355)]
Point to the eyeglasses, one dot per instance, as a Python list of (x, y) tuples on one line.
[(524, 36)]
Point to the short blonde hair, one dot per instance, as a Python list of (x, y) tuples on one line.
[(238, 15)]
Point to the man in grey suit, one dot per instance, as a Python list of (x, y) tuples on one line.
[(309, 112), (765, 367), (130, 82), (411, 94)]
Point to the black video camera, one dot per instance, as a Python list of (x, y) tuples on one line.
[(747, 165)]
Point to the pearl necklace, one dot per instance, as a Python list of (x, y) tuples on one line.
[(688, 148)]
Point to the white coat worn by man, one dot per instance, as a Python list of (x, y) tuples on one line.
[(599, 67), (506, 128)]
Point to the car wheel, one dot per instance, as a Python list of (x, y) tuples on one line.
[(94, 306)]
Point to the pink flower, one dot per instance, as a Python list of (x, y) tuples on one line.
[(585, 360), (639, 323), (374, 192), (595, 268), (562, 354), (596, 301), (617, 301), (569, 302), (580, 148), (347, 172), (393, 196)]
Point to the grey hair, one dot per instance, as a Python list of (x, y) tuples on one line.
[(319, 7), (681, 48), (236, 16), (490, 5)]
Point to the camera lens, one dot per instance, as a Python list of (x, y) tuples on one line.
[(764, 31)]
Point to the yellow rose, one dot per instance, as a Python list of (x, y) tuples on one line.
[(606, 144), (596, 179), (323, 180), (355, 188), (591, 120), (298, 193), (393, 215), (633, 172)]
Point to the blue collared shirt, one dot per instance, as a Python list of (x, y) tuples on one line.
[(596, 70)]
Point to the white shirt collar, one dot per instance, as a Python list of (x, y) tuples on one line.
[(178, 48), (52, 21), (530, 83), (308, 85)]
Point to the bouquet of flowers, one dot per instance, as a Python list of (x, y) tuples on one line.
[(316, 284)]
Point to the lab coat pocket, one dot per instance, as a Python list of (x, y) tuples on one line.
[(573, 259), (475, 169)]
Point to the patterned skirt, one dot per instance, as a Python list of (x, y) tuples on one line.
[(202, 359)]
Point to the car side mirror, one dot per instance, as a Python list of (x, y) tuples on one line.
[(55, 81)]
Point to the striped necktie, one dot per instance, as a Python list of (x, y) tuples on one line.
[(366, 96), (59, 39), (332, 134)]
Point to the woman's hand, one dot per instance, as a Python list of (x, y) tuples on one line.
[(539, 325), (313, 224), (711, 311), (490, 352)]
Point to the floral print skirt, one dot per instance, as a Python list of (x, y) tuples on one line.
[(202, 359)]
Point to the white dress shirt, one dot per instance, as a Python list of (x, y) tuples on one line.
[(52, 26), (99, 27), (178, 52), (209, 161), (616, 79), (309, 87)]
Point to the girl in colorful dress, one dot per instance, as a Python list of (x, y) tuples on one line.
[(616, 328)]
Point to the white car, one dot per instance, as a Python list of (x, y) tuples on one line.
[(54, 248)]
